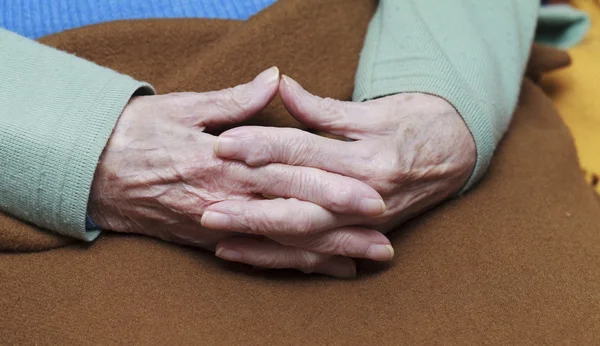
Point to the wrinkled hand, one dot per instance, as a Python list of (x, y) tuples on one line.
[(414, 149), (158, 175)]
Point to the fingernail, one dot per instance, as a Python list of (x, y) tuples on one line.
[(227, 147), (269, 76), (380, 252), (229, 254), (287, 80), (215, 220), (269, 196), (372, 207)]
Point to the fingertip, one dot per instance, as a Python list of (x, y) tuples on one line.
[(269, 76), (380, 253), (228, 254), (285, 88), (294, 98), (216, 147), (215, 220), (267, 84), (277, 72), (292, 85), (267, 196), (286, 80), (372, 207), (226, 147), (391, 250)]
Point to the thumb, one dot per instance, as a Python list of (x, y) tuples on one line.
[(234, 105), (349, 119)]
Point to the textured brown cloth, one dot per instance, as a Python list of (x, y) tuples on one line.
[(515, 261)]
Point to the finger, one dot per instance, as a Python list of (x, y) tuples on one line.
[(350, 119), (269, 254), (233, 105), (259, 146), (337, 267), (353, 242), (331, 191), (283, 217)]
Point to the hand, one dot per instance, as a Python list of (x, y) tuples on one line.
[(158, 174), (414, 149)]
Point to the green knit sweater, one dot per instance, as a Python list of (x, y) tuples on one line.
[(57, 111)]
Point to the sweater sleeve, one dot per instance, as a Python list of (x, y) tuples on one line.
[(472, 53), (57, 112)]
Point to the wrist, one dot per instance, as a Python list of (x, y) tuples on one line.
[(454, 138), (461, 142)]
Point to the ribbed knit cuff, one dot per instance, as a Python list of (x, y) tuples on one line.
[(57, 112), (472, 54), (102, 109), (562, 26), (476, 114)]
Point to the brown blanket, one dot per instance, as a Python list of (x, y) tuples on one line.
[(517, 260)]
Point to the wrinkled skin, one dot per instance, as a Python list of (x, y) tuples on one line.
[(159, 174), (414, 149)]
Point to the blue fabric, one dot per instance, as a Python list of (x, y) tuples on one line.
[(37, 18), (90, 225)]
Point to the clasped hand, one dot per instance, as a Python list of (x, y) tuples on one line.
[(329, 201)]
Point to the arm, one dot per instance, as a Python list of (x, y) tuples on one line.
[(426, 66), (157, 173), (472, 53), (56, 114)]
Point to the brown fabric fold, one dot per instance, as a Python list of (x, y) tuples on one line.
[(515, 261)]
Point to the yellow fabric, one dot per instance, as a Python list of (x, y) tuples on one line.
[(575, 91)]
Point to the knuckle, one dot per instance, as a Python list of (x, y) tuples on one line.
[(331, 106), (343, 243), (331, 244), (388, 169), (299, 149), (304, 226), (341, 198), (334, 110), (276, 223), (236, 99), (383, 186), (241, 96), (298, 182), (255, 221), (385, 174), (267, 260), (260, 153), (305, 261), (314, 243)]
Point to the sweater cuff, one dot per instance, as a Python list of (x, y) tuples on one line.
[(476, 113), (57, 112), (103, 109), (561, 26)]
